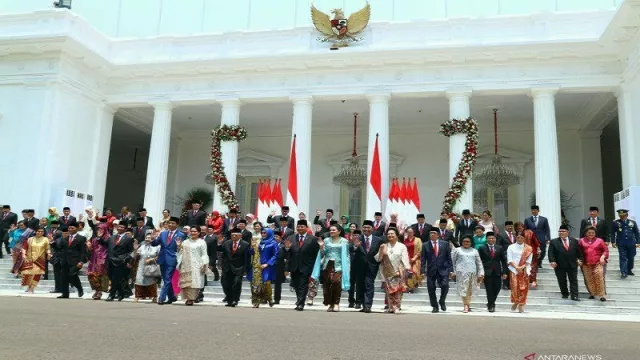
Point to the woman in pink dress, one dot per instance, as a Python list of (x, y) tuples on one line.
[(97, 268), (596, 255)]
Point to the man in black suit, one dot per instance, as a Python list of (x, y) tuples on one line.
[(277, 219), (119, 259), (139, 231), (212, 251), (32, 222), (379, 226), (245, 234), (235, 263), (505, 239), (437, 266), (303, 250), (66, 217), (195, 216), (446, 235), (8, 218), (494, 261), (57, 258), (602, 228), (465, 226), (148, 220), (540, 226), (421, 228), (358, 270), (73, 252), (283, 228), (371, 246), (281, 268), (565, 256), (230, 222), (324, 223)]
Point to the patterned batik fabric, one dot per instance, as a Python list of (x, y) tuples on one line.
[(313, 289), (519, 284), (594, 279), (331, 285)]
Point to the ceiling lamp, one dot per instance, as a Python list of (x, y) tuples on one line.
[(497, 175), (352, 174)]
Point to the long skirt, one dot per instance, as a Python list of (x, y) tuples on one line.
[(313, 289), (18, 259), (519, 284), (466, 298), (190, 293), (30, 280), (332, 285), (98, 282), (534, 268), (393, 296), (416, 278), (149, 291), (261, 294), (594, 279)]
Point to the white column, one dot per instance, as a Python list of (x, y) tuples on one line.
[(230, 116), (591, 165), (302, 117), (459, 108), (155, 190), (547, 171), (100, 158), (628, 148), (378, 125)]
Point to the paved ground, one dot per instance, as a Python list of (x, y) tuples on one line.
[(37, 328)]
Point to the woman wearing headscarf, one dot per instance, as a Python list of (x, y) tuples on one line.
[(216, 221), (17, 236), (596, 256), (479, 237), (468, 271), (52, 215), (264, 254), (193, 261), (147, 255), (97, 267), (345, 222), (335, 262), (251, 220), (395, 267), (34, 252)]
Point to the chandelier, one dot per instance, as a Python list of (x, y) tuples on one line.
[(352, 174), (497, 175)]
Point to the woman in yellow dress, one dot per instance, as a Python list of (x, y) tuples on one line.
[(35, 251)]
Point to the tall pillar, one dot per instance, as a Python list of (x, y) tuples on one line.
[(230, 116), (591, 164), (155, 190), (378, 125), (547, 171), (459, 108), (628, 148), (302, 117), (100, 158)]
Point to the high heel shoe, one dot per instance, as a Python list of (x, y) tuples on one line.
[(514, 307), (466, 309)]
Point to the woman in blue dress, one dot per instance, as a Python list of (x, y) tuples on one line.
[(333, 259), (263, 259)]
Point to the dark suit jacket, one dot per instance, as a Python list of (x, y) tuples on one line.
[(543, 233), (238, 262), (139, 235), (291, 223), (323, 223), (565, 258), (503, 239), (496, 265), (227, 226), (462, 229), (281, 262), (74, 253), (199, 219), (433, 265), (371, 264), (70, 219), (247, 235), (425, 231), (602, 228), (448, 237), (379, 232), (7, 221), (130, 220), (212, 248), (120, 254), (287, 232), (33, 224), (303, 258), (358, 257)]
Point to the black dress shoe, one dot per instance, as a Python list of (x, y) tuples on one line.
[(299, 308), (358, 306), (435, 310), (63, 297), (172, 300), (492, 309), (120, 297), (575, 298), (352, 305), (159, 303), (565, 296), (55, 292), (623, 276), (277, 302), (228, 305), (443, 307), (225, 299), (367, 310), (631, 273), (234, 304), (361, 310), (592, 297), (603, 299), (80, 293), (386, 307)]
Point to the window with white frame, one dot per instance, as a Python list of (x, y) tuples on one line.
[(352, 203)]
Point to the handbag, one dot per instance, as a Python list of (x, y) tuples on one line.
[(152, 270)]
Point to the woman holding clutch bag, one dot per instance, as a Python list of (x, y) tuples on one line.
[(146, 284)]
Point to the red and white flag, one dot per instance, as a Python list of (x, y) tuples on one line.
[(276, 194), (292, 184), (403, 212), (392, 200), (416, 196), (374, 189), (262, 208)]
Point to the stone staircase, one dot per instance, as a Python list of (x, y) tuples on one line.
[(623, 295)]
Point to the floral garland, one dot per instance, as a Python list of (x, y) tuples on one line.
[(469, 127), (220, 134)]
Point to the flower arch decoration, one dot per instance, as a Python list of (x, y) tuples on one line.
[(218, 135), (469, 127)]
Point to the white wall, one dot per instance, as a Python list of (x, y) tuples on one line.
[(141, 18), (425, 157)]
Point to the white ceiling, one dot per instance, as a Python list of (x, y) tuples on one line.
[(573, 111)]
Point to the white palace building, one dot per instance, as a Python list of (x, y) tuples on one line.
[(116, 99)]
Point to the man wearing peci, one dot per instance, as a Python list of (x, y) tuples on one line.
[(540, 226), (371, 244), (277, 219), (421, 228), (73, 252), (119, 259), (465, 226), (7, 219), (195, 217), (167, 258), (565, 257), (437, 266), (494, 261), (235, 263), (600, 224), (303, 250)]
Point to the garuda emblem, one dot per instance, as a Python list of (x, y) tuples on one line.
[(340, 30)]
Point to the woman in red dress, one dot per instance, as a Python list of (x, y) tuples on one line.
[(531, 240)]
